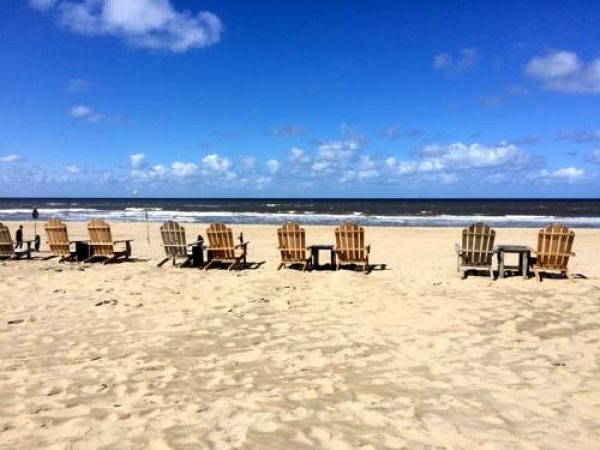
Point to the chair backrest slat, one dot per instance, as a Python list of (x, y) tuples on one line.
[(478, 245), (555, 243), (292, 243), (220, 240), (350, 242), (6, 243), (57, 237), (173, 239), (101, 237)]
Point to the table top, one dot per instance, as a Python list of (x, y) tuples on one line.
[(512, 249), (322, 246)]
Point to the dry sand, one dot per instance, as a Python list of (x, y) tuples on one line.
[(134, 356)]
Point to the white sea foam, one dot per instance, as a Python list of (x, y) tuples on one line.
[(306, 217)]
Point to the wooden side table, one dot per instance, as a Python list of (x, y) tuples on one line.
[(314, 255), (524, 253)]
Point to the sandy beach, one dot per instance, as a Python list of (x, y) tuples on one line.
[(134, 356)]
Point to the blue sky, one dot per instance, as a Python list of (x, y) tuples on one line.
[(299, 99)]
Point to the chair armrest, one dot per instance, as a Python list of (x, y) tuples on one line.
[(191, 244), (457, 248), (368, 247), (243, 244), (122, 240)]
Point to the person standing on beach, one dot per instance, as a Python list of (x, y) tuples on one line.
[(19, 237)]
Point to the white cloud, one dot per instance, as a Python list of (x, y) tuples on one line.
[(596, 156), (6, 159), (273, 166), (72, 169), (463, 61), (298, 156), (86, 113), (152, 24), (567, 174), (181, 169), (249, 162), (137, 160), (216, 163), (579, 137), (564, 71)]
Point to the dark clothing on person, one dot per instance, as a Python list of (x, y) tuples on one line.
[(19, 238)]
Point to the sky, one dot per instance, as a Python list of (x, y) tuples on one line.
[(271, 98)]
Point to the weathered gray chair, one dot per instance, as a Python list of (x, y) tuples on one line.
[(174, 243), (477, 249)]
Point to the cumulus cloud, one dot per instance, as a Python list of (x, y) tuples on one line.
[(86, 113), (298, 156), (569, 175), (137, 160), (273, 166), (6, 159), (72, 169), (450, 63), (151, 24), (564, 71), (216, 163)]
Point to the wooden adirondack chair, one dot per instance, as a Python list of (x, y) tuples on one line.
[(103, 244), (221, 247), (6, 243), (350, 245), (555, 243), (58, 240), (292, 245), (7, 248), (477, 249), (174, 243)]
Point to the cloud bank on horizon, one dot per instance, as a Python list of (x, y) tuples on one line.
[(265, 111)]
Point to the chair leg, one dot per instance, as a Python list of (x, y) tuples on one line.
[(281, 266), (160, 264), (210, 263), (538, 274), (463, 275), (569, 276)]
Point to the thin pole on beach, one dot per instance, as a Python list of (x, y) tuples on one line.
[(136, 194)]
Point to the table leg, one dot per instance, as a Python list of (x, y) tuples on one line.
[(333, 260), (500, 264), (525, 265), (315, 258)]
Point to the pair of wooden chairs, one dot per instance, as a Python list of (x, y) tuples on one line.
[(221, 246), (102, 245), (554, 249), (7, 247), (350, 246)]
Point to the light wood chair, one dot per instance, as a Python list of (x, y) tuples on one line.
[(221, 248), (555, 243), (350, 246), (174, 243), (292, 245), (477, 249), (7, 247), (103, 244), (58, 240)]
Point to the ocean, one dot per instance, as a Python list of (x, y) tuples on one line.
[(583, 213)]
